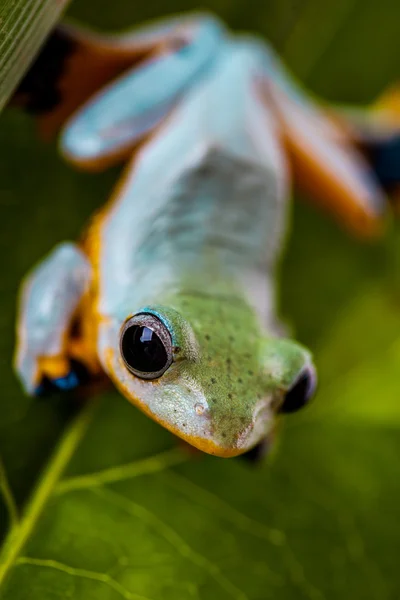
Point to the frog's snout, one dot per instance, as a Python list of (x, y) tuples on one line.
[(237, 432)]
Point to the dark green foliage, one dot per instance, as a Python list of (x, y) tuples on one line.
[(132, 516)]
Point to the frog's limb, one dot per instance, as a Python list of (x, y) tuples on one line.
[(324, 159), (376, 130), (107, 128), (50, 297), (72, 65), (258, 453), (76, 62), (331, 169)]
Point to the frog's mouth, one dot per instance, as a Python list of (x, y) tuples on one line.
[(238, 434), (234, 440)]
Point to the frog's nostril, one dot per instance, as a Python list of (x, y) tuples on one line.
[(199, 408)]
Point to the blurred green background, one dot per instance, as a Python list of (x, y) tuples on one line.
[(321, 519)]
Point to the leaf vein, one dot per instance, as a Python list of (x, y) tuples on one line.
[(251, 526), (8, 497), (153, 464), (19, 535), (82, 573), (172, 537)]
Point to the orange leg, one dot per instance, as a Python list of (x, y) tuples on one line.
[(73, 64)]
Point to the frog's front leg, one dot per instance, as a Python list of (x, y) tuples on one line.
[(50, 298)]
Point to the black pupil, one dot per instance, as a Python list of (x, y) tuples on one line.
[(143, 350), (300, 393)]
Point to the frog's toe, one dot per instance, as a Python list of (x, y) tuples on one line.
[(26, 368), (61, 384), (44, 388), (76, 376), (256, 455), (384, 157)]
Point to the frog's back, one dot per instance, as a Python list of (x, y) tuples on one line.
[(205, 196)]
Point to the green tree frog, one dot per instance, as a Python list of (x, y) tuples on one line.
[(170, 292)]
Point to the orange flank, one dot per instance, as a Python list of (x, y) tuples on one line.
[(329, 192), (327, 165), (53, 367), (88, 313), (83, 350), (84, 346)]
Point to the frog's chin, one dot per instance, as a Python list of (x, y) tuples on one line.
[(211, 447), (244, 441)]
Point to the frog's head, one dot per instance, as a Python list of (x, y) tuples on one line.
[(206, 371)]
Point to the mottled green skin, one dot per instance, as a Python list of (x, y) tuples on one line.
[(237, 366), (224, 362)]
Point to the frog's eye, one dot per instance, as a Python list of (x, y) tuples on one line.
[(301, 391), (146, 346)]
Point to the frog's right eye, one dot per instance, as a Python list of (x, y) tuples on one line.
[(146, 346), (301, 391)]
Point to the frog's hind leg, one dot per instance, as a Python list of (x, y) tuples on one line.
[(116, 119), (72, 65), (383, 153), (376, 130), (50, 298), (75, 63), (324, 158)]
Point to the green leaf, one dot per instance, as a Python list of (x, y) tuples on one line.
[(97, 500), (24, 24), (171, 526)]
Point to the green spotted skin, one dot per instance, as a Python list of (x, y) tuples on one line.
[(228, 378), (243, 375)]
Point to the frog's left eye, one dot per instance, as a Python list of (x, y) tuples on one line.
[(301, 391), (146, 346)]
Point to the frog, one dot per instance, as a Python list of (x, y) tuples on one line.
[(170, 294)]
